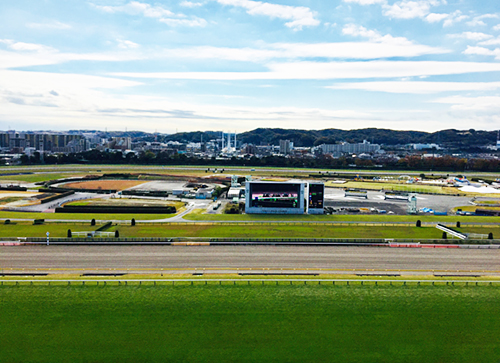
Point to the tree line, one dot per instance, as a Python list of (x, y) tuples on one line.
[(410, 162)]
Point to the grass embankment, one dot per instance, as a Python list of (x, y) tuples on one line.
[(249, 324), (198, 215), (128, 201), (296, 230), (7, 200), (39, 177)]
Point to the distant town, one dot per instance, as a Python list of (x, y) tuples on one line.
[(449, 150)]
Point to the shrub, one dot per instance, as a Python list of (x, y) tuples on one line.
[(458, 224), (7, 221), (490, 235), (444, 235), (92, 222), (133, 222), (117, 234), (419, 223), (69, 233)]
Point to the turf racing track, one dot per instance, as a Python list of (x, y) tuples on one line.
[(450, 262)]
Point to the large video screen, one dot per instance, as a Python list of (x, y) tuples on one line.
[(316, 195), (275, 195)]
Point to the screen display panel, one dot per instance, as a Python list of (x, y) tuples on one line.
[(316, 196), (275, 195)]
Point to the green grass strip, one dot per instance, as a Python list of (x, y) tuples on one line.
[(256, 323)]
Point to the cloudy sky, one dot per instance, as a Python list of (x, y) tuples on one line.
[(184, 65)]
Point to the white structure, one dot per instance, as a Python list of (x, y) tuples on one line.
[(339, 149), (228, 149), (285, 147), (235, 193), (204, 193), (234, 181), (425, 146), (412, 204)]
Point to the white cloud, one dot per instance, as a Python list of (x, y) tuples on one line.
[(488, 16), (366, 2), (333, 70), (496, 27), (475, 36), (190, 4), (127, 44), (436, 18), (157, 12), (52, 25), (484, 103), (195, 22), (495, 41), (299, 16), (455, 17), (418, 87), (360, 31), (407, 9), (138, 8), (23, 55), (384, 48), (476, 22), (482, 51), (30, 47), (449, 19)]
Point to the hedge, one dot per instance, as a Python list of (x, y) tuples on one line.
[(116, 209)]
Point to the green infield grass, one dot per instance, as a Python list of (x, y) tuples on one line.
[(199, 215), (284, 323), (234, 230)]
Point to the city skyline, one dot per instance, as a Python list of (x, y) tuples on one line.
[(238, 65)]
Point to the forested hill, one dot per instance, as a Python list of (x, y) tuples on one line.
[(455, 138)]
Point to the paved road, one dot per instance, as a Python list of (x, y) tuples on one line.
[(186, 259), (334, 197)]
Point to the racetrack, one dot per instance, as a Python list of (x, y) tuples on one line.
[(188, 259)]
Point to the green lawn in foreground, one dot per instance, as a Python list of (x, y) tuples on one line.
[(249, 323)]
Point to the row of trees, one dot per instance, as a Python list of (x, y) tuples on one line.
[(445, 163)]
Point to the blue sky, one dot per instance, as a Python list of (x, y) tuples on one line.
[(172, 66)]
